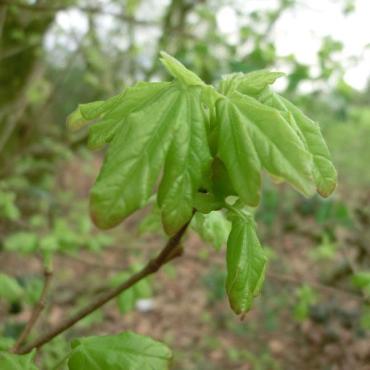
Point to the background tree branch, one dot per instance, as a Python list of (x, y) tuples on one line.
[(171, 250), (36, 311)]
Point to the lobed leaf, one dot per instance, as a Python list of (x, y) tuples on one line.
[(252, 137), (125, 351), (162, 125), (324, 173)]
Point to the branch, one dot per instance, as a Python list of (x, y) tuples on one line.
[(171, 250), (85, 9), (36, 311)]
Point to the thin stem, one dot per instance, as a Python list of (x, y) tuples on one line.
[(171, 250), (36, 311)]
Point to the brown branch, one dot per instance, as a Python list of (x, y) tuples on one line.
[(36, 311), (171, 250)]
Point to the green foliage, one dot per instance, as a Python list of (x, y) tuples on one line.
[(361, 280), (10, 289), (23, 241), (246, 263), (208, 144), (326, 250), (333, 211), (8, 207), (6, 343), (9, 361), (213, 227), (308, 131), (55, 352), (365, 318), (125, 351), (306, 297), (65, 235)]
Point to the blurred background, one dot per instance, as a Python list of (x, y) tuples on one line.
[(314, 312)]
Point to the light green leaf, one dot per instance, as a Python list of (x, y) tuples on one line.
[(246, 263), (213, 228), (22, 241), (10, 361), (85, 113), (324, 173), (125, 351), (249, 83), (136, 153), (75, 121), (187, 161), (169, 131), (206, 202), (10, 288), (179, 71), (253, 136)]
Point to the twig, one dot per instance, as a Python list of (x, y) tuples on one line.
[(36, 311), (97, 264), (171, 250), (322, 287)]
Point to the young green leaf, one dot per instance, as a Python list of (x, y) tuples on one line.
[(10, 361), (125, 351), (246, 263), (324, 173), (179, 71), (187, 162), (207, 145), (250, 83), (253, 136), (168, 131), (213, 228), (111, 115)]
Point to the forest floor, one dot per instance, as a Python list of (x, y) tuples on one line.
[(189, 310), (190, 313)]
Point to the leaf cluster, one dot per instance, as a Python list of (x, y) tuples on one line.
[(202, 148)]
